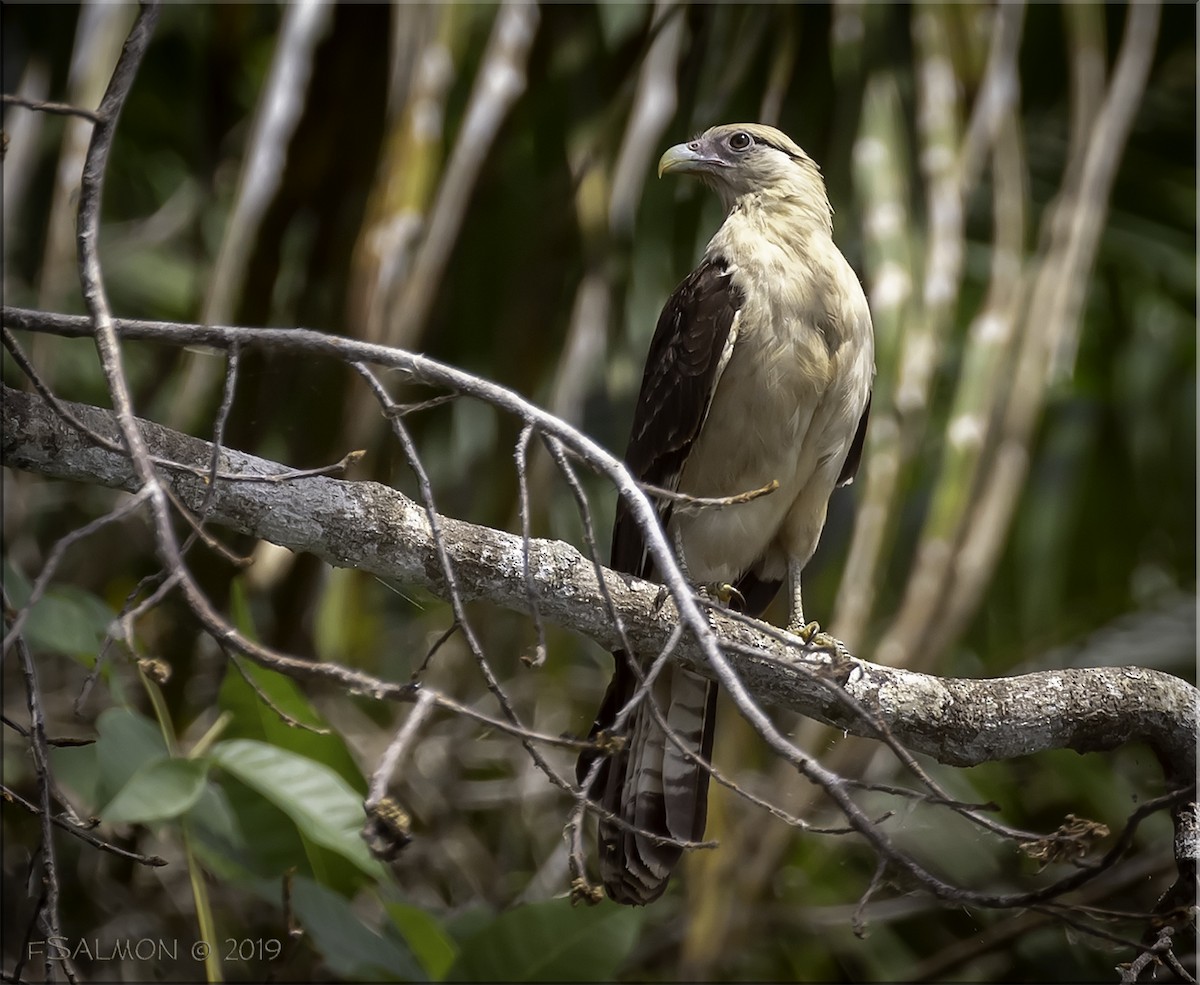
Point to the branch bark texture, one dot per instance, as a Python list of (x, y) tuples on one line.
[(377, 529)]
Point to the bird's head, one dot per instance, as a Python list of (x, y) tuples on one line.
[(751, 159)]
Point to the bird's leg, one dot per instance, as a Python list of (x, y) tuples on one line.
[(719, 591), (810, 632)]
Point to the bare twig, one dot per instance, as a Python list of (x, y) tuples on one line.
[(696, 504), (47, 913), (399, 748), (378, 530), (46, 106), (54, 558), (82, 833)]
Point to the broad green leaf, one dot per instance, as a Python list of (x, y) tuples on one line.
[(74, 768), (350, 948), (127, 742), (320, 802), (551, 941), (212, 816), (159, 790), (69, 620), (254, 719), (263, 842), (434, 948)]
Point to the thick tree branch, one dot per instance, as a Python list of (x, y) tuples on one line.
[(377, 529)]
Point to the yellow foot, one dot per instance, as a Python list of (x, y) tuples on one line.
[(724, 593), (812, 635)]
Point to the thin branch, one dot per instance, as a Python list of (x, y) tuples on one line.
[(522, 462), (266, 699), (47, 913), (396, 529), (378, 530), (399, 748), (54, 558), (46, 106), (82, 833)]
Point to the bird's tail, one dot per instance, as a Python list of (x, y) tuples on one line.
[(653, 784)]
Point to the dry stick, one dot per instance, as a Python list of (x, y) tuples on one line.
[(46, 914), (535, 612), (858, 923), (126, 619), (281, 474), (82, 833), (697, 504), (26, 366), (63, 743), (199, 533), (398, 748), (449, 575), (232, 360), (583, 446), (54, 558), (589, 536), (47, 106), (266, 699)]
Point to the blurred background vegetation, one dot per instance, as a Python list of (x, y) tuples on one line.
[(476, 183)]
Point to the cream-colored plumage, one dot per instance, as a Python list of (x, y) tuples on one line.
[(759, 370), (788, 402)]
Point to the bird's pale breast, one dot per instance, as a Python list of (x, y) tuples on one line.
[(785, 409)]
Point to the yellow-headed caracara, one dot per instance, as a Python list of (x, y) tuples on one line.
[(760, 369)]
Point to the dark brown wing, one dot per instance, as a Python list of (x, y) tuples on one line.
[(681, 375), (850, 466), (677, 388), (650, 783)]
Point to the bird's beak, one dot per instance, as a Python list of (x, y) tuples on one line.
[(685, 159)]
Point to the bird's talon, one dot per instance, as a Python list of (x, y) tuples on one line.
[(726, 593)]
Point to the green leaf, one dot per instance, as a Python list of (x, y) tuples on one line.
[(551, 941), (262, 842), (159, 790), (350, 948), (434, 948), (320, 802), (69, 620), (254, 719), (127, 742)]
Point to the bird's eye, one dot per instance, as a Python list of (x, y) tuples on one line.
[(740, 140)]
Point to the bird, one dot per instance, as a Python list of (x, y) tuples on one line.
[(760, 371)]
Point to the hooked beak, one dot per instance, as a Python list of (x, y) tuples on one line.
[(687, 159)]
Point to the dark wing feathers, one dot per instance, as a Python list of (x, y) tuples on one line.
[(850, 466), (650, 783), (677, 388)]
